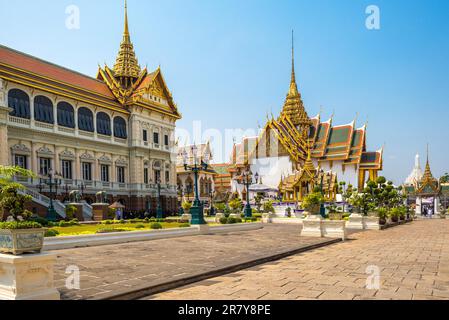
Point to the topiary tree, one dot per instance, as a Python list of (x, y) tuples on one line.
[(268, 207), (312, 202), (236, 205), (10, 198)]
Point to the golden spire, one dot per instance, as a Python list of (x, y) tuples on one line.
[(308, 165), (427, 173), (126, 67), (293, 86), (293, 106)]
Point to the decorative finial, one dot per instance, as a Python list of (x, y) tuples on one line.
[(126, 67), (126, 32), (293, 57)]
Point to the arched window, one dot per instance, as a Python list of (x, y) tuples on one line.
[(66, 115), (85, 120), (120, 128), (43, 110), (20, 103), (103, 124)]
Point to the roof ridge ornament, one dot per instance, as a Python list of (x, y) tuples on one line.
[(294, 106), (126, 65)]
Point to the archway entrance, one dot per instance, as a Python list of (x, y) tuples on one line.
[(428, 206)]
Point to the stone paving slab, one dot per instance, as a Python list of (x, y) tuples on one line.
[(108, 270), (413, 261)]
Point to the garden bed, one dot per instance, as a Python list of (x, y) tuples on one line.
[(88, 229)]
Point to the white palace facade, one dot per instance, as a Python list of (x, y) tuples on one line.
[(111, 133)]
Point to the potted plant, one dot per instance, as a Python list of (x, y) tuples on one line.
[(19, 234), (186, 205), (395, 213), (382, 213), (312, 202)]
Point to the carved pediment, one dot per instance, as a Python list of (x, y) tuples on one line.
[(121, 162), (87, 156), (20, 148), (67, 154), (104, 158), (45, 151)]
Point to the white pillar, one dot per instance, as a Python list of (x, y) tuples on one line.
[(437, 205), (418, 206)]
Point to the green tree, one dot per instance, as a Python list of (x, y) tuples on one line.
[(11, 199), (236, 205), (312, 202)]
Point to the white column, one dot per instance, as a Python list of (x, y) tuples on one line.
[(437, 205), (418, 206)]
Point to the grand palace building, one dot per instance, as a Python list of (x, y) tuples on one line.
[(295, 153), (111, 133)]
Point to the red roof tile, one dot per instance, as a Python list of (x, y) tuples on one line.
[(43, 68)]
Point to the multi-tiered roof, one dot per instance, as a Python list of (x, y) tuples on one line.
[(297, 133)]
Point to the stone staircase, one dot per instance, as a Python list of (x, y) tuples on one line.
[(45, 201)]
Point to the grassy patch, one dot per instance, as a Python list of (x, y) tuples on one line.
[(94, 228)]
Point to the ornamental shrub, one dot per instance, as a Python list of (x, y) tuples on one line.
[(140, 226), (223, 220), (41, 221), (156, 226), (109, 230), (64, 224), (184, 225), (70, 212), (268, 207), (221, 207), (15, 225), (51, 233), (232, 220)]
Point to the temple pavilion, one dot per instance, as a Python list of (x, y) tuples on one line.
[(429, 194), (294, 152)]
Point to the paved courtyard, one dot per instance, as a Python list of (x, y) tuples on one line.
[(106, 270), (413, 261)]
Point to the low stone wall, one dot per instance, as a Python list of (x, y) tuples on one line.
[(59, 243)]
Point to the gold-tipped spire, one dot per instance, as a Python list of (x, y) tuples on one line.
[(308, 165), (427, 173), (126, 67), (293, 86), (294, 106)]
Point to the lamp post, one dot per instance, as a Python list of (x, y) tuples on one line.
[(322, 208), (212, 209), (51, 181), (181, 209), (248, 181), (159, 213), (197, 209)]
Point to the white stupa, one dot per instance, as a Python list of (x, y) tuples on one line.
[(416, 174)]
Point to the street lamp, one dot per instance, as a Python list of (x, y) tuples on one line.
[(322, 208), (159, 213), (197, 209), (248, 181), (181, 192), (212, 209), (51, 181)]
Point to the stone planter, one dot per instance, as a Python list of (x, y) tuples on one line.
[(21, 241), (312, 226), (372, 223), (356, 221), (218, 216), (28, 277), (268, 217), (334, 229), (187, 217)]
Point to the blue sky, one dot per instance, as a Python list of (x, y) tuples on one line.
[(228, 62)]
